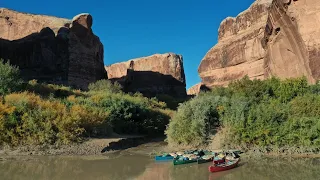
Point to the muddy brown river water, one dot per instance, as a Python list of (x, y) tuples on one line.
[(123, 166)]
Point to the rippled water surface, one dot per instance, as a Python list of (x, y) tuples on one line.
[(128, 166)]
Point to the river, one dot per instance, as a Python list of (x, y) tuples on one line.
[(123, 166)]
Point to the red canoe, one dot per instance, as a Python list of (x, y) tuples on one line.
[(225, 166)]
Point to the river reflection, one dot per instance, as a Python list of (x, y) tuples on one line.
[(139, 167)]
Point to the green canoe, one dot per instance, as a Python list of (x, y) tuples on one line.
[(206, 158), (201, 161), (209, 152), (180, 162)]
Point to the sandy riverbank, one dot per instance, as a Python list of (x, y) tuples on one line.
[(129, 144), (91, 146)]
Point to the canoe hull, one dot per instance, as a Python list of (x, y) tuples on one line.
[(201, 161), (223, 168), (161, 158), (178, 162)]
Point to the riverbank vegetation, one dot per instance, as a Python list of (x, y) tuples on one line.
[(270, 115), (33, 113)]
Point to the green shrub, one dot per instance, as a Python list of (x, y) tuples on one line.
[(315, 89), (33, 120), (291, 88), (9, 78), (171, 102), (51, 90), (132, 114), (105, 85), (194, 121), (258, 90), (55, 114), (305, 106), (301, 132), (270, 113), (261, 124)]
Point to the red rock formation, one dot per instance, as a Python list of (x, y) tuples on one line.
[(86, 53), (293, 42), (239, 51), (157, 74), (51, 49), (196, 89), (279, 37), (16, 25)]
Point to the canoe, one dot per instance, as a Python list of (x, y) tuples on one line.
[(214, 160), (225, 166), (205, 159), (201, 161), (209, 152), (164, 158), (180, 153), (180, 162), (218, 161), (230, 151)]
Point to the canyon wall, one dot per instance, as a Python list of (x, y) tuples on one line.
[(292, 39), (271, 38), (152, 75), (51, 49)]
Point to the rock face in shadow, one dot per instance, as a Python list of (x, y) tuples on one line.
[(271, 38), (50, 49), (156, 74)]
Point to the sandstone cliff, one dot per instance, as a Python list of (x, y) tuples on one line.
[(156, 74), (239, 51), (50, 49), (272, 37), (196, 89), (292, 39)]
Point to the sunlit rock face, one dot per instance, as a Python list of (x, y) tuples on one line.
[(271, 38), (51, 49), (196, 89), (292, 39)]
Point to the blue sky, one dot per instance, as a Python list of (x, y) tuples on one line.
[(135, 28)]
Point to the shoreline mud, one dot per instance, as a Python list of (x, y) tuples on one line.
[(131, 144)]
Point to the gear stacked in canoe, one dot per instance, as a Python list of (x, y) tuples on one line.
[(186, 158)]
